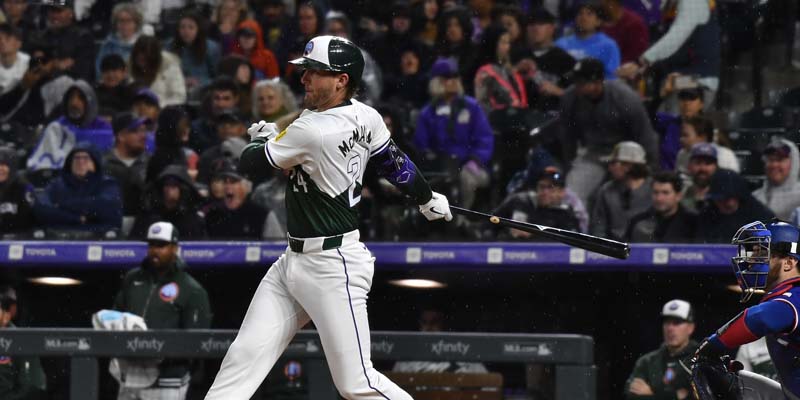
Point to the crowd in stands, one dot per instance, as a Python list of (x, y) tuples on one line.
[(592, 116)]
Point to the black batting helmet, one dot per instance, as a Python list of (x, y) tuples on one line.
[(333, 53)]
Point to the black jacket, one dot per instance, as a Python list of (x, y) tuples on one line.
[(651, 227), (716, 227), (246, 222)]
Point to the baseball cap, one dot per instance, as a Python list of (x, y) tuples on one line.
[(726, 184), (112, 62), (224, 168), (147, 95), (589, 70), (594, 7), (553, 175), (541, 16), (678, 309), (10, 30), (628, 151), (228, 116), (704, 150), (444, 67), (776, 147), (59, 3), (162, 232), (126, 121), (691, 93)]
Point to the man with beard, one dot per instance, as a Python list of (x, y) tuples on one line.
[(127, 161), (702, 164), (235, 216), (74, 45), (666, 221), (223, 96), (167, 297), (79, 123)]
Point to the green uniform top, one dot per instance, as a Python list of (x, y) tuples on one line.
[(21, 378), (172, 301), (662, 372)]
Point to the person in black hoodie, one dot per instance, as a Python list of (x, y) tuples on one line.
[(172, 198), (236, 216), (74, 44), (731, 207), (172, 134), (82, 198), (666, 221), (114, 92), (16, 215)]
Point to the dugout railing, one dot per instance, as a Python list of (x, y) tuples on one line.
[(572, 355)]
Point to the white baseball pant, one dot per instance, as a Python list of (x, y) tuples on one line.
[(329, 287)]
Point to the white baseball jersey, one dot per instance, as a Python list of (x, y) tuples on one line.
[(327, 153)]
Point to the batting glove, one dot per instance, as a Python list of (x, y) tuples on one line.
[(437, 208), (262, 129)]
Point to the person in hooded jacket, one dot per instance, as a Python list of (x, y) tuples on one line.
[(82, 198), (79, 123), (781, 190), (250, 44), (172, 134), (172, 198), (730, 207), (16, 215)]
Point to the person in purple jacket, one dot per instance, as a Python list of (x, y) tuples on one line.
[(453, 129)]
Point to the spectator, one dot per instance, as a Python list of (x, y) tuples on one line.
[(309, 25), (409, 86), (13, 62), (224, 96), (542, 203), (172, 135), (82, 198), (627, 29), (696, 130), (230, 133), (596, 115), (114, 92), (755, 357), (79, 123), (666, 221), (146, 104), (277, 26), (455, 42), (74, 45), (226, 19), (16, 216), (243, 75), (127, 161), (273, 99), (250, 44), (668, 125), (548, 66), (497, 85), (337, 24), (731, 207), (398, 36), (40, 91), (236, 216), (167, 297), (126, 21), (702, 166), (589, 42), (690, 47), (172, 198), (199, 55), (781, 189), (432, 320), (22, 376), (659, 374), (510, 18), (158, 70), (424, 22), (627, 194), (21, 16), (453, 127)]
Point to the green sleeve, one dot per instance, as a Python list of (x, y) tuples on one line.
[(30, 379), (119, 301), (253, 161), (641, 371), (197, 314)]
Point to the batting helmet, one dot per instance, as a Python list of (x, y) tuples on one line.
[(333, 53)]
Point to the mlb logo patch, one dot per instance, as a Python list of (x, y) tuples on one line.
[(669, 376), (169, 292), (309, 47), (5, 360), (156, 230)]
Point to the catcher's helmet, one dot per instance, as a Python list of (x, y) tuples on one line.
[(756, 242), (333, 53)]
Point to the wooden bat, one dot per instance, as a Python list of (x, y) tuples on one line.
[(608, 247)]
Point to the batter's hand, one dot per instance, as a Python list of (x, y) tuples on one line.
[(262, 129), (437, 208)]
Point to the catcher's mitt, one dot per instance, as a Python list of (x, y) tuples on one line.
[(716, 378)]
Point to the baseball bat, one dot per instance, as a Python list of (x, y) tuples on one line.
[(607, 247)]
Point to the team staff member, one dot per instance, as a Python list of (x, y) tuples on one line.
[(167, 297), (658, 374), (326, 273), (21, 378)]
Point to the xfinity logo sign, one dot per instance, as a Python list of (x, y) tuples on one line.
[(5, 344), (212, 345), (445, 347), (383, 346), (137, 344)]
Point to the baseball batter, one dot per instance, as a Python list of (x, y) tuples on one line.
[(326, 273)]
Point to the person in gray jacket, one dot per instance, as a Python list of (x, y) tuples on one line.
[(595, 116), (626, 195), (781, 190)]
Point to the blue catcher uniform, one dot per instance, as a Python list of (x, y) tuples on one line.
[(775, 317)]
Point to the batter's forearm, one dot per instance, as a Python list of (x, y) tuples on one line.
[(253, 160), (400, 171)]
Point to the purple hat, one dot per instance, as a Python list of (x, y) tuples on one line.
[(778, 148), (148, 96), (705, 150), (444, 67)]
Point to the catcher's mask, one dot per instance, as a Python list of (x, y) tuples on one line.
[(751, 263)]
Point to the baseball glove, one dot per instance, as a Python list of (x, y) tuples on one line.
[(716, 378)]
